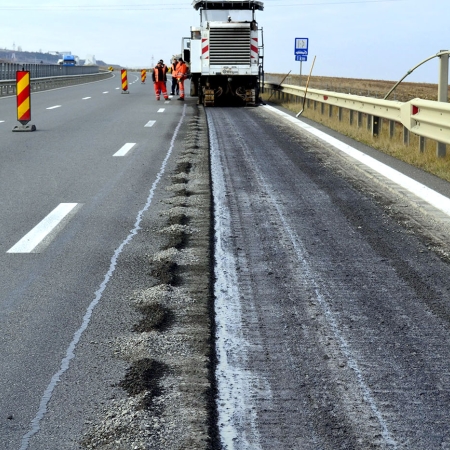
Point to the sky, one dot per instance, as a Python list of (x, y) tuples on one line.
[(375, 39)]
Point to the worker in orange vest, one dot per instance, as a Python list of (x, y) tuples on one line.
[(159, 77), (181, 74), (173, 68)]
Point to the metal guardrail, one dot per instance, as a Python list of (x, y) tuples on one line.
[(426, 118), (8, 87), (8, 70)]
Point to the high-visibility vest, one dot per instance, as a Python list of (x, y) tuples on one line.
[(181, 72), (173, 67), (159, 73)]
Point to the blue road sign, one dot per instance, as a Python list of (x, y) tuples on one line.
[(301, 46), (301, 58)]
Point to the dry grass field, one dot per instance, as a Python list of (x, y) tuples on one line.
[(409, 153), (372, 88)]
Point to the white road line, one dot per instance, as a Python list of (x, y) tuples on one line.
[(86, 98), (117, 89), (167, 101), (430, 196), (106, 92), (32, 239), (125, 149), (161, 109), (54, 107), (150, 123), (2, 121)]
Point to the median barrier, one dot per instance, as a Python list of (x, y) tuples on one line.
[(8, 87)]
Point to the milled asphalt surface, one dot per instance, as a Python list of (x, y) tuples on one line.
[(343, 296), (337, 335)]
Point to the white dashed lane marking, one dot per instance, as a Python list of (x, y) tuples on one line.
[(54, 107), (150, 123), (125, 149), (160, 110), (86, 98), (54, 222)]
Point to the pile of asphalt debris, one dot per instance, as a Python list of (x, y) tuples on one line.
[(169, 383)]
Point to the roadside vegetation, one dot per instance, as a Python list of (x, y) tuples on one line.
[(395, 147)]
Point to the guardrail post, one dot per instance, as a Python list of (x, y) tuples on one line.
[(315, 105), (369, 121), (350, 116), (340, 114), (405, 136), (422, 144), (330, 110), (441, 148), (359, 119), (391, 128), (375, 126), (322, 108)]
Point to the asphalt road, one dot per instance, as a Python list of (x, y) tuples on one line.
[(332, 296), (71, 163)]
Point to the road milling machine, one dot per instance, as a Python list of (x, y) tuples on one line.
[(226, 53)]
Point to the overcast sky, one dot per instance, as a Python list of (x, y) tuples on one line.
[(377, 39)]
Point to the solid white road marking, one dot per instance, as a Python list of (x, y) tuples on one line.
[(150, 123), (430, 196), (161, 110), (32, 239), (125, 149), (53, 107)]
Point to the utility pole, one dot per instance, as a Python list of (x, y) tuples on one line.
[(441, 148)]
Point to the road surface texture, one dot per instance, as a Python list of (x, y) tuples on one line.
[(332, 298), (324, 326), (105, 324)]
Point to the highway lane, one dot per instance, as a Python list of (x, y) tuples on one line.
[(332, 296), (69, 159)]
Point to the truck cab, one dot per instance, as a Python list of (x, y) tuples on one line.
[(69, 60)]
